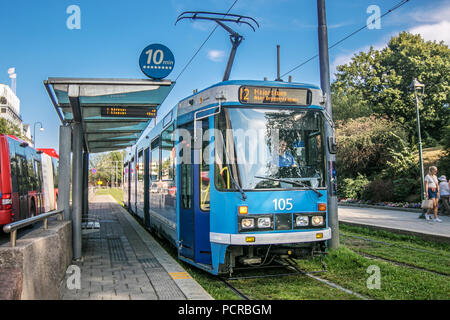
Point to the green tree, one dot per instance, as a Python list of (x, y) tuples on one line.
[(109, 166), (379, 80), (7, 128)]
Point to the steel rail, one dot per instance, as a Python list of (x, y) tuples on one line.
[(13, 227)]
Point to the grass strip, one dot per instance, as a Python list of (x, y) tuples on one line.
[(351, 271)]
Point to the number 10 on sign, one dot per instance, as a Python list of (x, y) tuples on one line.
[(157, 57)]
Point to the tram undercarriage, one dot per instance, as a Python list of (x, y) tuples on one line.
[(256, 256)]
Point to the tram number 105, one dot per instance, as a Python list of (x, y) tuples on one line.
[(283, 204)]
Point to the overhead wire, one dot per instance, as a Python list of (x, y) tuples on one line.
[(204, 42), (398, 5)]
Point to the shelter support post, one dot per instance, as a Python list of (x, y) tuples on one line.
[(77, 188), (65, 141), (85, 184)]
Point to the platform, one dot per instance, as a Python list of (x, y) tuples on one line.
[(397, 221), (122, 261)]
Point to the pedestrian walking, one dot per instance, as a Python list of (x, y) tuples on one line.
[(444, 190), (432, 192)]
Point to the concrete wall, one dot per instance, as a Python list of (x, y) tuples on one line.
[(42, 256)]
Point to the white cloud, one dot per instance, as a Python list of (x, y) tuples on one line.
[(434, 32), (216, 55)]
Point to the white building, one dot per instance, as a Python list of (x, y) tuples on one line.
[(10, 110)]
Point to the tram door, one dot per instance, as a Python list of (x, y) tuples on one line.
[(194, 218)]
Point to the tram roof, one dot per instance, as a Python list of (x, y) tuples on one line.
[(86, 99)]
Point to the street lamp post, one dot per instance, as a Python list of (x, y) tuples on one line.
[(34, 131), (417, 85)]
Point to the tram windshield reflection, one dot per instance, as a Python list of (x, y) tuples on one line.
[(255, 144)]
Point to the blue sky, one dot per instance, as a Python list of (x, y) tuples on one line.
[(36, 41)]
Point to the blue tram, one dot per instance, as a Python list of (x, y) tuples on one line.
[(235, 175)]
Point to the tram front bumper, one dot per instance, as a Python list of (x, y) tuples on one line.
[(270, 238)]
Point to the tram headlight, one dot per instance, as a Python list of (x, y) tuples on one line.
[(301, 221), (317, 221), (264, 222), (247, 223)]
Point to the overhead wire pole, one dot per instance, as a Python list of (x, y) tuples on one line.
[(333, 222)]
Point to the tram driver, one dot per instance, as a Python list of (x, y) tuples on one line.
[(285, 158)]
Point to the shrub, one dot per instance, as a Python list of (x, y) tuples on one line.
[(404, 188), (352, 188), (379, 191), (364, 145), (402, 163)]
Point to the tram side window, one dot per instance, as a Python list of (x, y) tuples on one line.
[(155, 163), (204, 171), (140, 166), (167, 154)]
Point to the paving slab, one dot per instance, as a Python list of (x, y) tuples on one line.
[(122, 261)]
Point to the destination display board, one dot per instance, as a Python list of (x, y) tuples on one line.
[(129, 112), (274, 96)]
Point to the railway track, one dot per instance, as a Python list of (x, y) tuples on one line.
[(401, 264), (291, 265), (396, 262)]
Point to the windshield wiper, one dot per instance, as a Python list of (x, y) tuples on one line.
[(244, 196), (297, 183)]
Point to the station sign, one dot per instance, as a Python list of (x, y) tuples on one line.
[(129, 112), (275, 96), (94, 171), (156, 61)]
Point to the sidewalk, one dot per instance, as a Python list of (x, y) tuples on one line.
[(397, 221), (122, 261)]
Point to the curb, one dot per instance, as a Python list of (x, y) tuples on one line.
[(413, 210), (425, 236)]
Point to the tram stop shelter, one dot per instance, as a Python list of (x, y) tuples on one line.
[(97, 115)]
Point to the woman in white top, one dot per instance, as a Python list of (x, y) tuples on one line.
[(432, 192), (444, 189)]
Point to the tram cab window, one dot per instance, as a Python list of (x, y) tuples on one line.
[(167, 154), (257, 144)]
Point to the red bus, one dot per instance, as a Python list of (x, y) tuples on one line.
[(21, 193)]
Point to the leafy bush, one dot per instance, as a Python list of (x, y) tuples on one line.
[(406, 189), (352, 188), (366, 144), (402, 163), (378, 191)]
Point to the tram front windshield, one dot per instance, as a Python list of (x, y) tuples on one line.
[(269, 149)]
